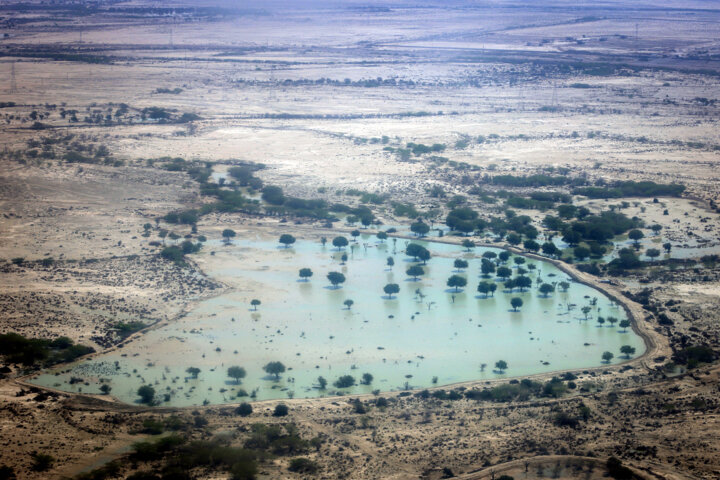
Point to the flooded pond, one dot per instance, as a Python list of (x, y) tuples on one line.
[(427, 334)]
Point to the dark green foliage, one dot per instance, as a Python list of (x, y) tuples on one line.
[(391, 288), (125, 329), (303, 465), (463, 219), (41, 462), (693, 355), (632, 189), (273, 195), (599, 228), (420, 228), (29, 351), (418, 252), (146, 394), (415, 271), (532, 180), (244, 409), (345, 381), (627, 259), (456, 282), (274, 368), (286, 239), (281, 410), (340, 242), (174, 254), (564, 419), (335, 278)]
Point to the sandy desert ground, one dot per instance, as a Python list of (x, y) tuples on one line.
[(324, 96)]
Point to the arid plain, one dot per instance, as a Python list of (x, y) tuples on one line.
[(116, 115)]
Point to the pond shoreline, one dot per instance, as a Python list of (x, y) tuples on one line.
[(654, 346)]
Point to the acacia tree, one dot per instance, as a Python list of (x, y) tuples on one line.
[(336, 278), (287, 239), (227, 234), (236, 372), (456, 282), (305, 273), (415, 271), (274, 368), (390, 289), (146, 394), (564, 286), (504, 272), (382, 236), (193, 371), (468, 244), (624, 324), (516, 303), (627, 350), (522, 282), (417, 252), (486, 267), (607, 356), (667, 246), (486, 287), (348, 303), (653, 253), (586, 311), (612, 321), (255, 303), (636, 235), (460, 264), (501, 366), (340, 242), (546, 289), (420, 228)]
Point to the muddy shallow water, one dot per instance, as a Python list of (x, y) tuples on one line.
[(403, 342)]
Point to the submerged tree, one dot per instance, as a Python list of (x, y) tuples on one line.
[(415, 271), (627, 350), (456, 282), (460, 264), (287, 239), (228, 234), (146, 394), (305, 273), (335, 278), (546, 289), (274, 368), (236, 372), (501, 366), (607, 356), (516, 303), (486, 287), (340, 242), (390, 289), (348, 303), (193, 371)]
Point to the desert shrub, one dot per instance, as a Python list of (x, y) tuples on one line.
[(303, 465)]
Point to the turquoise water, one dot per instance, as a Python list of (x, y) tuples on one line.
[(403, 342)]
